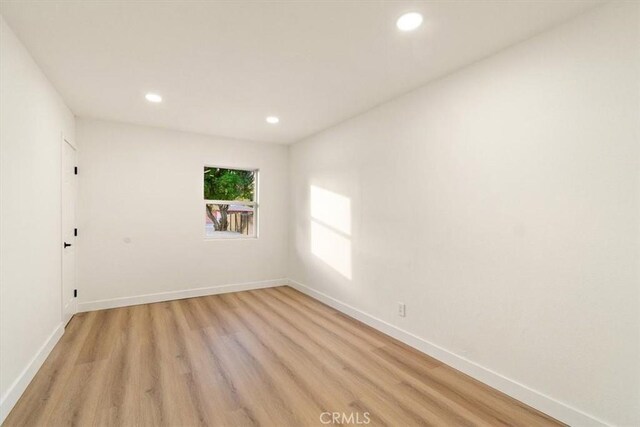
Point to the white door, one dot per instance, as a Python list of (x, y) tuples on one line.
[(69, 230)]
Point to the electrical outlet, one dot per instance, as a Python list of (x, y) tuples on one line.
[(402, 309)]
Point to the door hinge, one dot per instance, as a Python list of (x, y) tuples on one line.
[(75, 170), (75, 231), (75, 293)]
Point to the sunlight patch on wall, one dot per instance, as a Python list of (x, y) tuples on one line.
[(332, 248), (331, 209), (331, 229)]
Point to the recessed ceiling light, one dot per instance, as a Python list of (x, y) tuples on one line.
[(272, 120), (409, 21), (153, 97)]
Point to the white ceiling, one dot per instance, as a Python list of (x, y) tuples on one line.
[(223, 66)]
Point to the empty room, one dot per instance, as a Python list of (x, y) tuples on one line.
[(320, 213)]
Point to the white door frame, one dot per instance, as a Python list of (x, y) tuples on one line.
[(66, 314)]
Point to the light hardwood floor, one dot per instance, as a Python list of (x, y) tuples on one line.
[(271, 357)]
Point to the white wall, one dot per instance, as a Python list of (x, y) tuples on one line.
[(141, 227), (32, 119), (501, 204)]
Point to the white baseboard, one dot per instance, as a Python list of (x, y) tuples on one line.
[(18, 387), (521, 392), (172, 295)]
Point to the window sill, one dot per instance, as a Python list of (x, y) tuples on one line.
[(218, 239)]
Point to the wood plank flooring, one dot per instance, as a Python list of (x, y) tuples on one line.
[(270, 357)]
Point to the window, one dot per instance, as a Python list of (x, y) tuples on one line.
[(231, 205)]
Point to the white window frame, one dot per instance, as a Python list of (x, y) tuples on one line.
[(254, 204)]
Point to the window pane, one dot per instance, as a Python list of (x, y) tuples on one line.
[(229, 221), (229, 184)]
